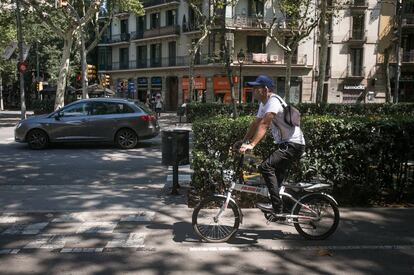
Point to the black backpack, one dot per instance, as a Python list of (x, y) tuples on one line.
[(291, 114)]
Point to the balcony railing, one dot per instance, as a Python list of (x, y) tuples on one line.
[(355, 72), (167, 30), (150, 3), (359, 4), (251, 59), (357, 36), (408, 22), (408, 57), (123, 37), (190, 27), (242, 21), (137, 35)]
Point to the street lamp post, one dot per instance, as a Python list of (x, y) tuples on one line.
[(240, 59)]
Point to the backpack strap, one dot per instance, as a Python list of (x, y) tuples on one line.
[(282, 102)]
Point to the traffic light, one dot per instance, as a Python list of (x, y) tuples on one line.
[(39, 86), (107, 79), (91, 69)]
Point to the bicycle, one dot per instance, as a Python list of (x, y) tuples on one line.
[(315, 214)]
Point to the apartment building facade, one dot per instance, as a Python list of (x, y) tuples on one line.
[(150, 54)]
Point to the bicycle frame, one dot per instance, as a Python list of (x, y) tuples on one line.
[(263, 191)]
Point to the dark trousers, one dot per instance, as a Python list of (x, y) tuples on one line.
[(275, 167)]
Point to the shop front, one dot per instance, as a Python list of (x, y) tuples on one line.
[(353, 93), (142, 89), (199, 89), (221, 88)]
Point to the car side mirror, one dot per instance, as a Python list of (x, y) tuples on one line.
[(58, 115)]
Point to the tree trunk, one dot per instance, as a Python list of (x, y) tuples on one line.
[(63, 72), (323, 53), (288, 75), (191, 76), (386, 71), (84, 66), (233, 98)]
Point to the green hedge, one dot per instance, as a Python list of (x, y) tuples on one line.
[(203, 110), (360, 156)]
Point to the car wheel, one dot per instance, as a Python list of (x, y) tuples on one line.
[(37, 139), (126, 139)]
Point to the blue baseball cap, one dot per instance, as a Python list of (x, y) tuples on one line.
[(262, 80)]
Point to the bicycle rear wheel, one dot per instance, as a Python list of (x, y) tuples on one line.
[(213, 228), (319, 223)]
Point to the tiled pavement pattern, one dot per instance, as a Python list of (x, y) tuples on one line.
[(84, 232)]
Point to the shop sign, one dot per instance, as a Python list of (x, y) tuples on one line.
[(131, 86), (156, 81), (199, 83), (142, 82), (221, 83), (354, 87)]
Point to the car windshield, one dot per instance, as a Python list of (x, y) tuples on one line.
[(143, 107)]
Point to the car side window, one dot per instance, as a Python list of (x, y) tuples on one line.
[(109, 108), (100, 108), (80, 109)]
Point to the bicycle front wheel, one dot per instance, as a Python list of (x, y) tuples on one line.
[(319, 219), (211, 225)]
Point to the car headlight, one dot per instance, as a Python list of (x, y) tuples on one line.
[(18, 125)]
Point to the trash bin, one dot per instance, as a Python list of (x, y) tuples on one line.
[(175, 151), (175, 147)]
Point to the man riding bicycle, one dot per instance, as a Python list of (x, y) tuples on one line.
[(290, 140)]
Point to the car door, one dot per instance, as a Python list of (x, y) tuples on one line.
[(101, 121), (71, 123)]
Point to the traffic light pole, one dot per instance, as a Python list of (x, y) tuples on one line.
[(20, 43)]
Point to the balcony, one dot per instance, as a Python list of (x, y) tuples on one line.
[(251, 59), (162, 31), (355, 72), (358, 36), (358, 5), (158, 3), (330, 36), (137, 35), (191, 27), (117, 38), (408, 57), (327, 72), (408, 22), (254, 23)]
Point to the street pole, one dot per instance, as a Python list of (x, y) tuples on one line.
[(1, 94), (398, 57), (240, 84), (20, 43)]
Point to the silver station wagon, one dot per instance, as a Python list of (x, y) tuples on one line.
[(118, 121)]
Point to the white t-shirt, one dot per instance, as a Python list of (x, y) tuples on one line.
[(281, 131)]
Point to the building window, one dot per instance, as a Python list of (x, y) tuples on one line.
[(155, 21), (155, 55), (171, 17), (357, 62), (141, 24), (124, 58), (358, 27), (142, 56), (124, 26), (172, 53), (105, 58), (256, 7), (256, 44)]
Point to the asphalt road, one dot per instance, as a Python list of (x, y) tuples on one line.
[(95, 209)]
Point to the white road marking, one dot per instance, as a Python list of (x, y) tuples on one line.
[(145, 216), (9, 251), (8, 219), (285, 248), (127, 240), (31, 229), (47, 241), (82, 250), (96, 227)]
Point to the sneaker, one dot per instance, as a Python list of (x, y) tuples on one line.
[(267, 207)]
